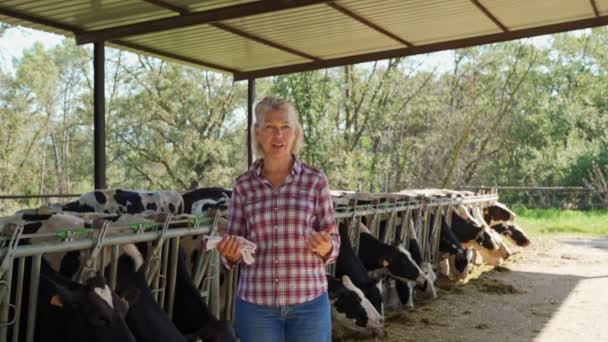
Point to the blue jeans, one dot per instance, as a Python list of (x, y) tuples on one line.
[(306, 322)]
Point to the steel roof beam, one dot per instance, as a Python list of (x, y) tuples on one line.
[(169, 6), (161, 53), (420, 49), (369, 23), (191, 19), (490, 15), (267, 42), (594, 5), (41, 21)]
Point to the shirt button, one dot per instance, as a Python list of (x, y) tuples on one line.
[(276, 227), (276, 280), (275, 208)]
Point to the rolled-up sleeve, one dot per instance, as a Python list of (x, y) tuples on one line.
[(326, 218)]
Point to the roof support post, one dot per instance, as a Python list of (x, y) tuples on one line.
[(250, 99), (99, 115)]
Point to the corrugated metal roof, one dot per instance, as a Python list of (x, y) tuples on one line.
[(602, 6), (265, 37), (519, 14)]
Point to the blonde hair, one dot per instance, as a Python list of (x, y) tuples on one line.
[(270, 104)]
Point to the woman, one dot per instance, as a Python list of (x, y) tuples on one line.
[(283, 206)]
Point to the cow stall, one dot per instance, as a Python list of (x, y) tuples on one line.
[(389, 218)]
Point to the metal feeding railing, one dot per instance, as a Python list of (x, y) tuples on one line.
[(101, 248)]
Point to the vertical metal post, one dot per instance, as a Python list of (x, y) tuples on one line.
[(4, 312), (162, 274), (99, 115), (229, 298), (172, 277), (114, 266), (214, 286), (18, 297), (34, 281), (250, 99)]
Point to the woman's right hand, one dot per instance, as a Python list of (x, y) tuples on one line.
[(230, 248)]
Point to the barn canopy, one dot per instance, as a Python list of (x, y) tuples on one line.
[(252, 39)]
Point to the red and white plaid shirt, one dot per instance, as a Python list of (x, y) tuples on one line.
[(280, 221)]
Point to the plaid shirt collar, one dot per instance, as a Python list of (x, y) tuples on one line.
[(256, 167)]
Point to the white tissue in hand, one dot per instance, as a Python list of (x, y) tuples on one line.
[(247, 247)]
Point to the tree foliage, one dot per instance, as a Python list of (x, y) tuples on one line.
[(510, 114)]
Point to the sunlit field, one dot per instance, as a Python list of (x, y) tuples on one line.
[(556, 221)]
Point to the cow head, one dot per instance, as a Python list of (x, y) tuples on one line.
[(464, 225), (405, 291), (402, 266), (429, 285), (352, 309), (93, 311), (513, 232), (492, 257), (498, 213), (487, 239), (460, 264)]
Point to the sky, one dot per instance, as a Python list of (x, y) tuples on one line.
[(15, 40)]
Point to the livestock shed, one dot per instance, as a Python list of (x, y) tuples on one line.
[(254, 39), (258, 38)]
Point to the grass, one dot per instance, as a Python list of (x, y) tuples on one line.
[(556, 221)]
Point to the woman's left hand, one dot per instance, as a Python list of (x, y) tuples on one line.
[(320, 243)]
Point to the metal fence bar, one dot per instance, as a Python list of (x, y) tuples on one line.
[(18, 297), (30, 250), (114, 266), (214, 287), (34, 281), (172, 274), (3, 197), (531, 188), (417, 205), (4, 314)]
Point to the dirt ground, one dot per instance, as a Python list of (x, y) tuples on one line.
[(554, 290)]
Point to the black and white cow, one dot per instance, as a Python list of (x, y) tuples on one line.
[(90, 312), (498, 213), (350, 265), (414, 248), (68, 311), (396, 261), (513, 232), (190, 313), (42, 223), (397, 291), (198, 202), (468, 229), (457, 258), (376, 254), (351, 309), (145, 318), (117, 201), (491, 257)]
